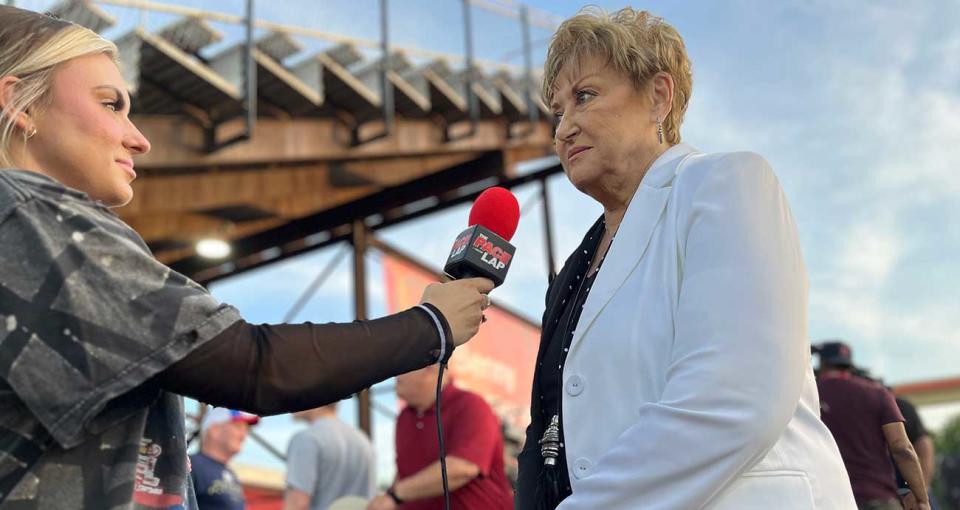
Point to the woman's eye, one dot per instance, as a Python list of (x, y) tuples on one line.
[(115, 106), (584, 96)]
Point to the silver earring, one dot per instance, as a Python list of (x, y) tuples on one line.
[(32, 133), (659, 130)]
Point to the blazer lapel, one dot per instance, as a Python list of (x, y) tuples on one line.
[(633, 237), (553, 311), (549, 324)]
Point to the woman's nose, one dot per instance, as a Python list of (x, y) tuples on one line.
[(135, 142), (566, 128)]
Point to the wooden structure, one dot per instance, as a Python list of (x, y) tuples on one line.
[(279, 153), (305, 175)]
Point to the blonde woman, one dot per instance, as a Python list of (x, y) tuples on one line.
[(674, 368), (98, 339)]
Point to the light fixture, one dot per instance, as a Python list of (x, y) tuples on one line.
[(213, 248)]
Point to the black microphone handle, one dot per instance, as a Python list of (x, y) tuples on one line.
[(467, 273)]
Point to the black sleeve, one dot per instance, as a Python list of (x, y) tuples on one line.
[(273, 369), (913, 424)]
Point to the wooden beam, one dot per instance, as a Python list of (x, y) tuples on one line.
[(195, 192), (263, 248), (269, 187), (393, 171), (488, 165), (179, 145), (188, 226)]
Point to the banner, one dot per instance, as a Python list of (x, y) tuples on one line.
[(498, 363)]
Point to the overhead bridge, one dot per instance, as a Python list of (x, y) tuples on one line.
[(278, 151)]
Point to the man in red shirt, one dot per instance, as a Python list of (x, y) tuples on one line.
[(868, 427), (474, 447)]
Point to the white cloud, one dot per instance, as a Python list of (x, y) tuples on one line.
[(901, 156)]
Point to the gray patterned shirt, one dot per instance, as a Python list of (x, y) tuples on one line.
[(87, 319)]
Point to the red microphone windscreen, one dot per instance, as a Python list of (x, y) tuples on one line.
[(496, 209)]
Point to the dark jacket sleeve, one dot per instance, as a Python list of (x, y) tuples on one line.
[(273, 369)]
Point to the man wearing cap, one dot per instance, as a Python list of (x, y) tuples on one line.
[(868, 427), (222, 432)]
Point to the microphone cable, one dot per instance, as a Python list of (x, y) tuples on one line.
[(443, 450)]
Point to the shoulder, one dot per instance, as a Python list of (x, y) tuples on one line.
[(906, 407), (45, 204), (468, 402), (730, 167), (201, 465), (870, 388), (735, 184), (305, 439), (354, 434), (13, 192)]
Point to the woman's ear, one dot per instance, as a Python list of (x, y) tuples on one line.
[(661, 93), (8, 85)]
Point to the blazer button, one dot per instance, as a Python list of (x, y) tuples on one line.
[(575, 385), (582, 467)]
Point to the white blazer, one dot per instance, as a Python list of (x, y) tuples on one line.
[(688, 382)]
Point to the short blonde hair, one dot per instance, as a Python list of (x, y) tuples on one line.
[(635, 43), (32, 45)]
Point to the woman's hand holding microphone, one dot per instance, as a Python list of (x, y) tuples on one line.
[(462, 303)]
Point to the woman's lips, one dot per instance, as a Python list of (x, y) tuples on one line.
[(576, 151), (127, 165)]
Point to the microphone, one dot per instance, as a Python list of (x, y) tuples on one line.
[(483, 249)]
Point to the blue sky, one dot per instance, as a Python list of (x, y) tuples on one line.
[(855, 104)]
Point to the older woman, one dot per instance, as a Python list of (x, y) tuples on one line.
[(674, 370), (98, 339)]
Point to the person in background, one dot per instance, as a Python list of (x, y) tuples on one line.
[(222, 432), (868, 427), (922, 444), (474, 446), (327, 461), (916, 433)]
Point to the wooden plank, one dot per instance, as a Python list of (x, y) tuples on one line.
[(275, 83), (512, 102), (179, 144), (158, 193), (279, 45), (193, 192), (191, 34), (180, 76), (191, 227), (408, 100), (83, 13)]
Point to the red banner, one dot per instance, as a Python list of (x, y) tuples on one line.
[(498, 363)]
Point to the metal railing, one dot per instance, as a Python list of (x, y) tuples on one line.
[(526, 16)]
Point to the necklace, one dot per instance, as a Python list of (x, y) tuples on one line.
[(595, 265)]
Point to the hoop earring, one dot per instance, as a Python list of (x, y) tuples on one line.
[(659, 130), (31, 134)]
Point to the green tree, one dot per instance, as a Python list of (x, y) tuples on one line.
[(948, 445), (948, 440)]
